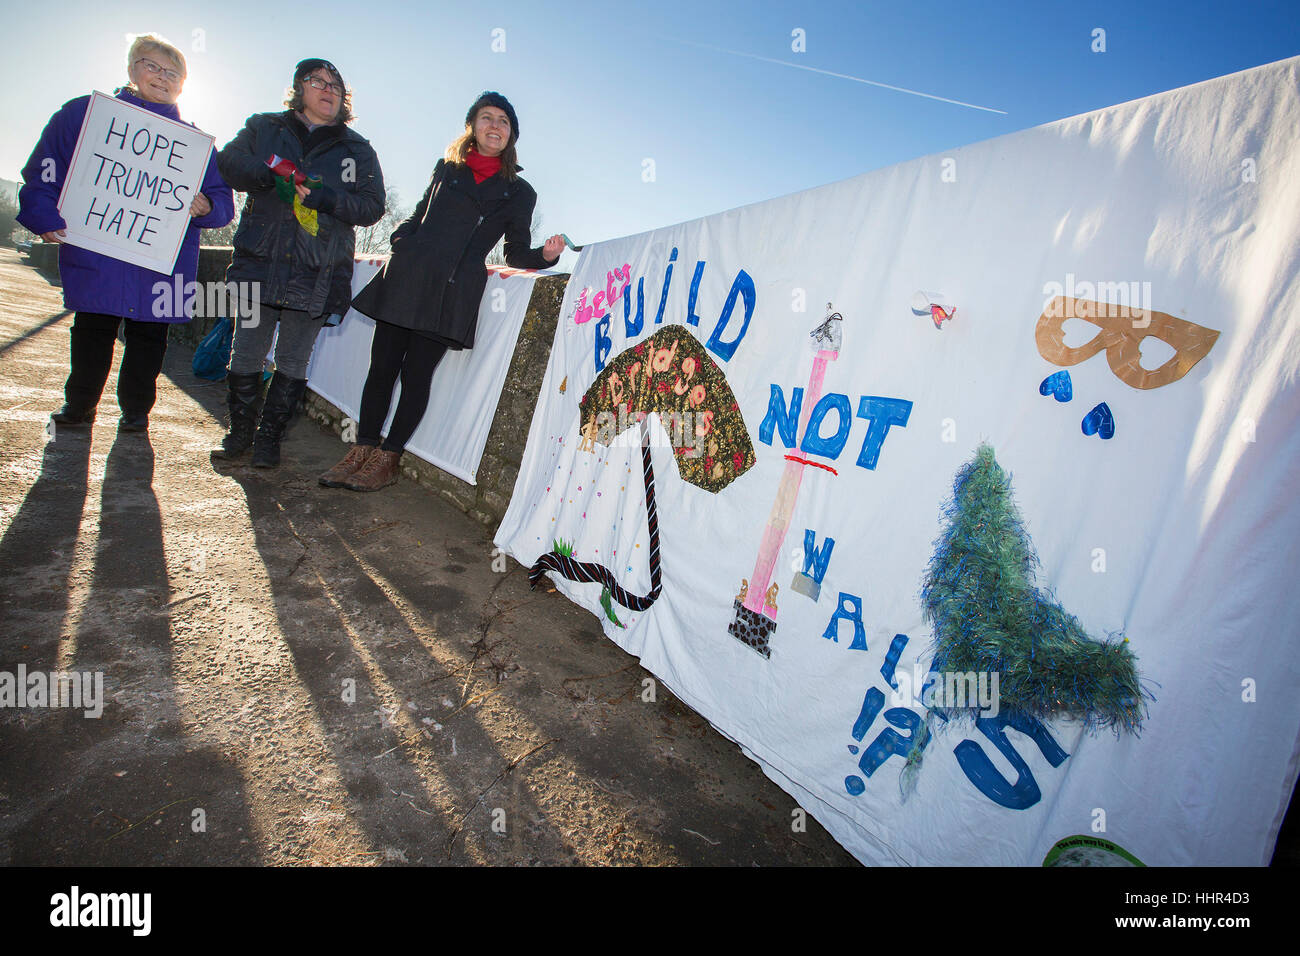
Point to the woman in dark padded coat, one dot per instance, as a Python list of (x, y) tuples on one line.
[(298, 252), (426, 299)]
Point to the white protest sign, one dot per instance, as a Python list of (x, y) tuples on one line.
[(129, 187)]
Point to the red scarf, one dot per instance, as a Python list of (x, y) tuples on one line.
[(482, 166)]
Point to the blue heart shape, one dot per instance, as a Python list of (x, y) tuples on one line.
[(1059, 385), (1099, 421)]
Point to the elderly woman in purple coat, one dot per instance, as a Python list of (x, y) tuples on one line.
[(106, 292)]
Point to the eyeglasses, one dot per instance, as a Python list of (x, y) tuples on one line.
[(154, 70), (318, 84)]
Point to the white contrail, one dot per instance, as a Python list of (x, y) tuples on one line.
[(842, 76)]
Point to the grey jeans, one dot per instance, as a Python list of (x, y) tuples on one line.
[(292, 349)]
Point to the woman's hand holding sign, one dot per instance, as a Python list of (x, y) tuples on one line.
[(201, 206)]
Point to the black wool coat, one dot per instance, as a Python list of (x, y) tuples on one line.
[(296, 269), (434, 281)]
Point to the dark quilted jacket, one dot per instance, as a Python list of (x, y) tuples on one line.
[(298, 270)]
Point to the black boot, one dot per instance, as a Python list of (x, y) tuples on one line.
[(282, 400), (243, 389), (73, 416)]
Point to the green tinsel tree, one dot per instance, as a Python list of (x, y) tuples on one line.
[(987, 615)]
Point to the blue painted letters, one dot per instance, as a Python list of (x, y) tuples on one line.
[(881, 413), (603, 343), (779, 417), (691, 317), (816, 561), (850, 607), (744, 287), (813, 442), (668, 277), (630, 328), (1024, 793)]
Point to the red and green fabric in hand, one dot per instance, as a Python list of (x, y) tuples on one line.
[(284, 189), (287, 178), (285, 168)]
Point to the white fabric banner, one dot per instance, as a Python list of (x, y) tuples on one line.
[(998, 293), (466, 386)]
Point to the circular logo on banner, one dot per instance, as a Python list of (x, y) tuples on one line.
[(1089, 851)]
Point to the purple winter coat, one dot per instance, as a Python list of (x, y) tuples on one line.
[(93, 282)]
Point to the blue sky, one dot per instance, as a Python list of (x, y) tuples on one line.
[(601, 89)]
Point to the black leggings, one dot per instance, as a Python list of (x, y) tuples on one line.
[(93, 337), (396, 351)]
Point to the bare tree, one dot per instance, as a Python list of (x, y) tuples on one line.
[(373, 240), (225, 236), (8, 218)]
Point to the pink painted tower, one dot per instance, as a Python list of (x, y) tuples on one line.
[(755, 605)]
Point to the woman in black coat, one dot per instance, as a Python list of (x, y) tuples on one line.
[(426, 299)]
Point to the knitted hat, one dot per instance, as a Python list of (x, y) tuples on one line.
[(491, 98), (307, 67)]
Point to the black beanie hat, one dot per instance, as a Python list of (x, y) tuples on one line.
[(307, 67), (492, 98)]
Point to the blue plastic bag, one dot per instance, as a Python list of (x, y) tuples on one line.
[(213, 354)]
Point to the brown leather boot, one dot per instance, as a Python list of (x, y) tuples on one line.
[(379, 471), (337, 476)]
